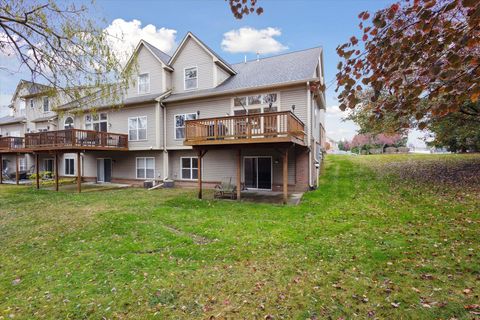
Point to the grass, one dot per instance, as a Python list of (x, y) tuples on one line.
[(378, 239)]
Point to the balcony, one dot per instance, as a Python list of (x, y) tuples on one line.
[(269, 127), (75, 139), (11, 143)]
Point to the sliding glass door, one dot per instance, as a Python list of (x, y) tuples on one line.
[(258, 173)]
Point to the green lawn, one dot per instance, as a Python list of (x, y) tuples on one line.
[(383, 237)]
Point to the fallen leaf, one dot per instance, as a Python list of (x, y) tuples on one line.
[(395, 304), (467, 291)]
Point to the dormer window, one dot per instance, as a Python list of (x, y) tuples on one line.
[(46, 104), (191, 78), (143, 83)]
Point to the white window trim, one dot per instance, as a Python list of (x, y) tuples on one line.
[(184, 87), (65, 167), (256, 106), (65, 121), (136, 168), (43, 104), (175, 124), (138, 83), (191, 168), (92, 122), (146, 128)]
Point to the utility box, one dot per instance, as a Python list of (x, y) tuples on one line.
[(148, 184), (168, 183)]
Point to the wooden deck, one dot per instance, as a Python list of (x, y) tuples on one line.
[(71, 139), (272, 127)]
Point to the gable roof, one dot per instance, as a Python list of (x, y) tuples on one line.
[(11, 120), (161, 56), (217, 59), (33, 88), (288, 68)]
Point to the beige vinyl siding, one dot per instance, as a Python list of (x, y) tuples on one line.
[(211, 108), (118, 123), (298, 97), (222, 75), (9, 129), (147, 63), (193, 55), (168, 80), (123, 163), (219, 164)]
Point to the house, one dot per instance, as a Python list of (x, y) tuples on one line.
[(191, 117)]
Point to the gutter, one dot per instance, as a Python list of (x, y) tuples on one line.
[(239, 90), (309, 134)]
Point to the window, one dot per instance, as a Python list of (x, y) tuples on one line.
[(180, 124), (31, 104), (255, 104), (137, 128), (97, 122), (22, 164), (46, 105), (145, 168), (191, 78), (189, 168), (143, 83), (69, 167), (68, 124)]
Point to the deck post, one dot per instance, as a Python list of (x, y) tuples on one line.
[(285, 177), (1, 169), (37, 171), (79, 173), (239, 175), (200, 174), (17, 174), (56, 171)]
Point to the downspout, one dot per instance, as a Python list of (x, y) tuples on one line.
[(309, 134), (165, 151)]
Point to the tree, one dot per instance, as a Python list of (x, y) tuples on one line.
[(60, 45), (369, 121), (241, 8), (457, 131), (414, 50)]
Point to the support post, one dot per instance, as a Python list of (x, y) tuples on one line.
[(56, 171), (1, 169), (200, 174), (285, 177), (37, 171), (17, 174), (239, 175), (79, 173)]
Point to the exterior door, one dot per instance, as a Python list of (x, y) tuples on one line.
[(48, 165), (258, 173), (104, 170)]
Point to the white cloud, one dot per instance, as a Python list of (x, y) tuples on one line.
[(252, 40), (125, 35)]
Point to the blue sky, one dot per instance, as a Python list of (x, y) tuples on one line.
[(297, 25)]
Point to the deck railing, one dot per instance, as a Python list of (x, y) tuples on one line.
[(11, 143), (245, 128), (75, 138)]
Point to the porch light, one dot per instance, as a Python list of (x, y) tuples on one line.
[(198, 113), (293, 108)]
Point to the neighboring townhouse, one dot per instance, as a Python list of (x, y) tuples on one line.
[(195, 119)]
